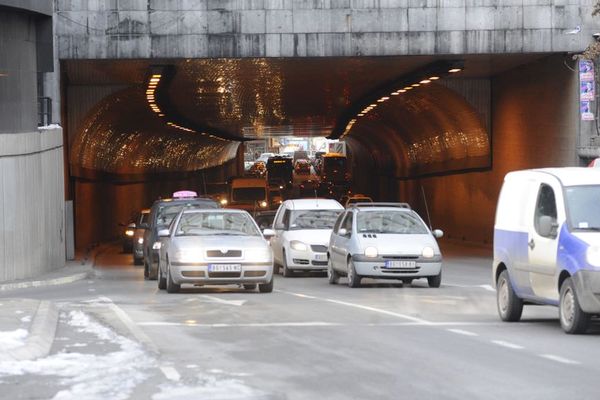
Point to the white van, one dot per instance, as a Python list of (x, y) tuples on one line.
[(547, 244), (302, 231)]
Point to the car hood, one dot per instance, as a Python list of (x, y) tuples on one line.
[(310, 236), (391, 244), (220, 242), (591, 238)]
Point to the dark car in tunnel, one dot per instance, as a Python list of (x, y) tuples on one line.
[(162, 213)]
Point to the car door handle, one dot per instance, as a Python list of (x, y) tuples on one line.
[(531, 244)]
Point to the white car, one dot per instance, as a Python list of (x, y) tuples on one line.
[(214, 247), (383, 241), (302, 230)]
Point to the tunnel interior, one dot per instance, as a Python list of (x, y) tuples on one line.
[(139, 129)]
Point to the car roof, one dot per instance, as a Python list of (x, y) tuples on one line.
[(313, 204), (196, 200), (215, 210), (568, 176)]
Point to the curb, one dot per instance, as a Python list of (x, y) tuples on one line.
[(41, 335)]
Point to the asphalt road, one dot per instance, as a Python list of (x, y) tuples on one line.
[(308, 340)]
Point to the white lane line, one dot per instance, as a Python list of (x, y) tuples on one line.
[(361, 307), (132, 326), (508, 344), (462, 332), (489, 288), (309, 324), (559, 359), (171, 373)]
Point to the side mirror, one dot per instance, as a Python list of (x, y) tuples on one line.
[(438, 233), (547, 226), (131, 225), (163, 233), (268, 233), (343, 232)]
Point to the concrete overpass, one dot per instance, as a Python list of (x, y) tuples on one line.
[(227, 71)]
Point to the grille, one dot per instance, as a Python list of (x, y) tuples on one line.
[(317, 248), (400, 257), (224, 274), (251, 274), (400, 270), (300, 261), (193, 274), (319, 263), (227, 254)]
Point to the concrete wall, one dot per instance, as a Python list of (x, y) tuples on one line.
[(535, 121), (289, 28), (32, 235)]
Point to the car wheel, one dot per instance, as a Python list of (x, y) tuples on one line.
[(275, 268), (435, 281), (250, 286), (162, 282), (572, 318), (353, 277), (332, 276), (286, 271), (266, 287), (172, 287), (510, 307)]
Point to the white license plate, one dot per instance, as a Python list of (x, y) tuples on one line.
[(224, 267), (320, 257), (400, 264)]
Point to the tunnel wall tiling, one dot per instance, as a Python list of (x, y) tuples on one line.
[(111, 141)]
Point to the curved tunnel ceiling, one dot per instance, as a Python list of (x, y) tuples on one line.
[(123, 136), (429, 130)]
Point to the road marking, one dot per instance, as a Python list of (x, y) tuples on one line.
[(171, 373), (489, 288), (508, 344), (222, 301), (361, 307), (242, 325), (559, 359), (462, 332)]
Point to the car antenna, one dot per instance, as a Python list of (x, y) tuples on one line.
[(426, 207)]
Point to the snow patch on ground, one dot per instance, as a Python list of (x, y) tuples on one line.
[(26, 318), (12, 339), (91, 376), (209, 388)]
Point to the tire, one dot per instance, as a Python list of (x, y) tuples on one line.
[(353, 278), (146, 269), (275, 268), (332, 276), (573, 319), (172, 287), (266, 287), (435, 281), (162, 281), (250, 286), (288, 273), (510, 307)]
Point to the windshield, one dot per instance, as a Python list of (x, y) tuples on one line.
[(248, 194), (216, 223), (389, 221), (313, 219), (582, 207), (167, 212), (144, 217)]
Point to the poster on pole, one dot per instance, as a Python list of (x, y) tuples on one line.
[(586, 111), (586, 71), (587, 89)]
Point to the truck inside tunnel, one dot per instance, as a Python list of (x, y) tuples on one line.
[(432, 131)]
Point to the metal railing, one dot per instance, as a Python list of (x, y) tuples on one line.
[(44, 111)]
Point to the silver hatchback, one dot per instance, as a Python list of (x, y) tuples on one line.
[(383, 241)]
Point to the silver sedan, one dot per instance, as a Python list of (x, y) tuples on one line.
[(214, 247)]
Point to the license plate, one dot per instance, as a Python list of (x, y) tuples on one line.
[(320, 257), (400, 264), (224, 267)]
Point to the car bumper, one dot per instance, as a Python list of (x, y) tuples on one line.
[(376, 268), (199, 274), (308, 260), (587, 287)]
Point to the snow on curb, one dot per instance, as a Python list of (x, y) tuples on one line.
[(49, 282)]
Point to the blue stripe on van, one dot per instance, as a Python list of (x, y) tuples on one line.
[(571, 252)]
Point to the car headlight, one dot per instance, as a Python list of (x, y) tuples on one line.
[(129, 232), (427, 252), (298, 245), (188, 256), (141, 240), (593, 256), (258, 255), (156, 246), (223, 202), (263, 204), (371, 252)]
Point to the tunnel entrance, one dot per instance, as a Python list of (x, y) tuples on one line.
[(139, 129)]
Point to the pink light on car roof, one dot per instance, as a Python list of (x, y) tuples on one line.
[(183, 194)]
